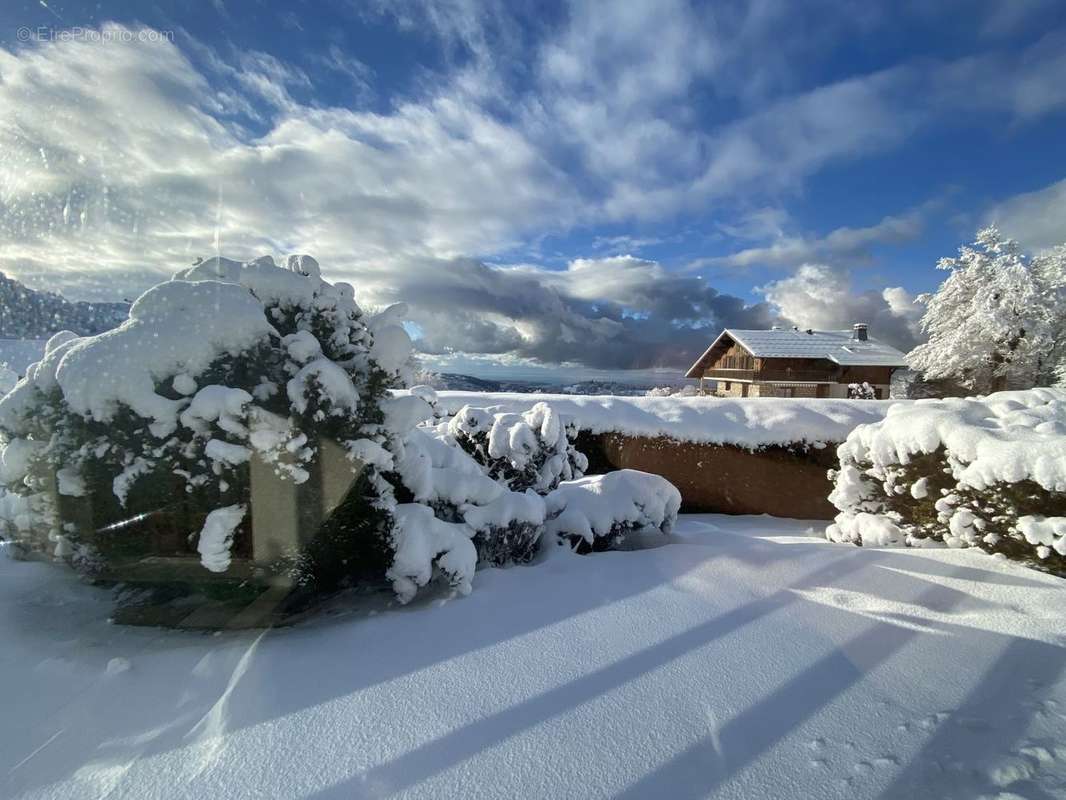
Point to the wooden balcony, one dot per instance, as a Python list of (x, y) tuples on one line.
[(772, 375)]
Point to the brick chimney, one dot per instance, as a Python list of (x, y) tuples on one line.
[(858, 331)]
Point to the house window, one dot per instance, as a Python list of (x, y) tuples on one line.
[(727, 386)]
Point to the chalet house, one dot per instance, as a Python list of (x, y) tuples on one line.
[(789, 362)]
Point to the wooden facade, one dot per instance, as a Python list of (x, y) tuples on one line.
[(739, 373)]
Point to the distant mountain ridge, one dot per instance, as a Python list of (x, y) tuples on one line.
[(27, 313)]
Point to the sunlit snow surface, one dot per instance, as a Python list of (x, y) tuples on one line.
[(746, 658)]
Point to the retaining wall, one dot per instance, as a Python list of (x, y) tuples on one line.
[(726, 479)]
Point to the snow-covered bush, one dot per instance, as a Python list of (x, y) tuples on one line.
[(987, 472), (597, 512), (530, 450), (226, 363), (150, 439), (500, 526), (861, 391)]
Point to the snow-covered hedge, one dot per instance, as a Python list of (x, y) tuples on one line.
[(115, 445), (225, 363), (598, 512), (771, 421), (987, 472)]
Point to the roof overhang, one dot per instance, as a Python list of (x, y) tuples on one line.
[(886, 362)]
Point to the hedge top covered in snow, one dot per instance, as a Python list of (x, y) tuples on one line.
[(179, 327), (1001, 438), (712, 420)]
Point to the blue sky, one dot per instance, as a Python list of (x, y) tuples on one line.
[(601, 184)]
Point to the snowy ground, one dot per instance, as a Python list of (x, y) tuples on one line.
[(743, 659)]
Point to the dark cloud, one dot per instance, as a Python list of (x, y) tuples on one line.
[(617, 313)]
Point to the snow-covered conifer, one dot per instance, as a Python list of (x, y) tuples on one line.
[(1050, 269)]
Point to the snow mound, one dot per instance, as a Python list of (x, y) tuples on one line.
[(1046, 533), (230, 367), (599, 510), (504, 525), (747, 423)]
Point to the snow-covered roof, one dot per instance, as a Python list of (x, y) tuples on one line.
[(837, 346)]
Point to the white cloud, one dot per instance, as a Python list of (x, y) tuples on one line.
[(821, 297), (1036, 219), (843, 244), (117, 158)]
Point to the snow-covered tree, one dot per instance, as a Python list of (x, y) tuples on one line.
[(1050, 269), (861, 391), (991, 322)]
